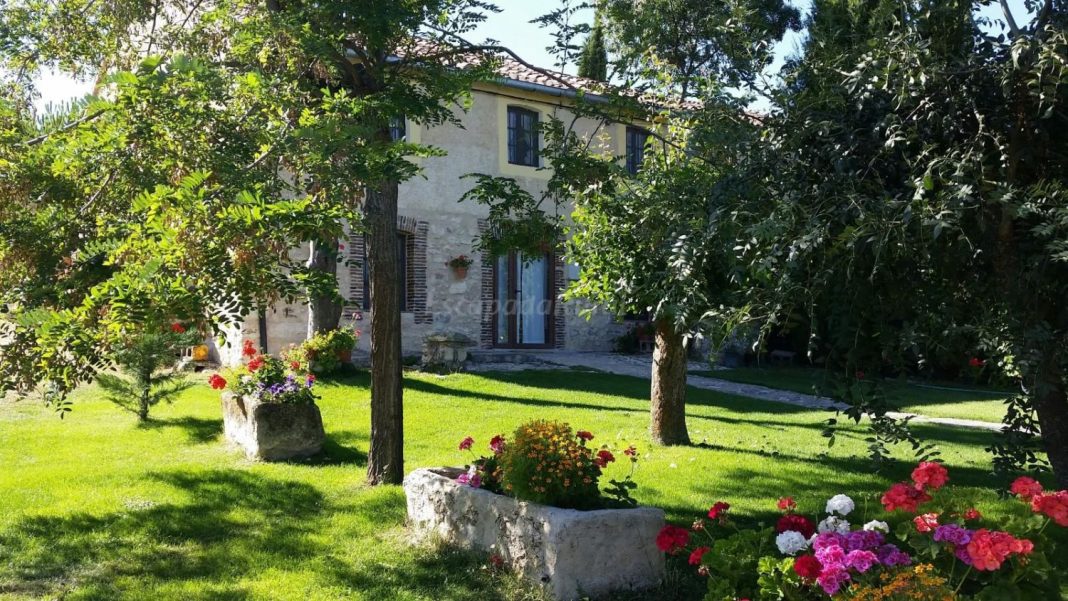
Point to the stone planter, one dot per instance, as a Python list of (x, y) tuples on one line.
[(273, 431), (569, 553)]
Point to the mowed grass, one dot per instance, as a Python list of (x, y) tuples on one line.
[(933, 400), (96, 507)]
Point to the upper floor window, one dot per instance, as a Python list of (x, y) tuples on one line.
[(636, 139), (397, 129), (522, 137)]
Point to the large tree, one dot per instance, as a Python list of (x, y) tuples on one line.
[(915, 201), (228, 132), (655, 238)]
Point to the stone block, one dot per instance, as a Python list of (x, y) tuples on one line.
[(273, 431), (569, 553)]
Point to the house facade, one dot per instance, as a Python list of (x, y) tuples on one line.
[(507, 302)]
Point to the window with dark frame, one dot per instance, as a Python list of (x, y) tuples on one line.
[(397, 129), (522, 136), (636, 139), (405, 249)]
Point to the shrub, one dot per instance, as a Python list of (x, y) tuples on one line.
[(146, 362), (548, 463), (322, 352)]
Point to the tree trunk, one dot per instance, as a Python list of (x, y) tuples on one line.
[(1051, 404), (668, 402), (324, 310), (385, 460)]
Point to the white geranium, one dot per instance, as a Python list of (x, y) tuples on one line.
[(840, 504), (833, 524), (877, 525), (791, 542)]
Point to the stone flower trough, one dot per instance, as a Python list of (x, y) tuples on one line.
[(273, 431), (569, 553)]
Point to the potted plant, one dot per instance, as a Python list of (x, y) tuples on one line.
[(269, 408), (460, 265), (325, 352), (536, 502)]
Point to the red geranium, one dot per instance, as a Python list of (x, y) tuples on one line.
[(719, 510), (698, 553), (1025, 487), (903, 496), (1053, 505), (930, 475), (248, 349), (972, 514), (797, 523), (630, 451), (584, 435), (926, 522), (294, 365), (604, 457), (787, 504), (976, 362), (217, 382), (177, 328), (988, 550), (808, 567), (497, 444), (466, 443), (672, 538), (255, 363)]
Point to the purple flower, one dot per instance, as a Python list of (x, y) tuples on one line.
[(863, 540), (832, 578), (860, 560), (890, 556), (962, 554), (954, 534)]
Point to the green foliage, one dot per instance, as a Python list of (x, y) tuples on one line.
[(226, 133), (593, 62), (322, 353), (733, 563), (147, 359), (913, 195), (546, 462)]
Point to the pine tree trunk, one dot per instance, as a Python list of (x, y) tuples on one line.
[(1051, 404), (668, 402), (385, 460), (324, 310), (146, 390)]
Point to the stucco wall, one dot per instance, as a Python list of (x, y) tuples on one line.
[(479, 145)]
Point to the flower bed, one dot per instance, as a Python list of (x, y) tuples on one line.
[(946, 553), (535, 504), (269, 408)]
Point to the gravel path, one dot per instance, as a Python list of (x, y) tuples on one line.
[(640, 366)]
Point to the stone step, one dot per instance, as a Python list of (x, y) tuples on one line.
[(506, 356)]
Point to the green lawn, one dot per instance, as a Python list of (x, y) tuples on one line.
[(95, 507), (934, 400)]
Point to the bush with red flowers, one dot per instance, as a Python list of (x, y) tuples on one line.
[(547, 462), (921, 518)]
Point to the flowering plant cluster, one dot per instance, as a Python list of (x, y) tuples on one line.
[(962, 557), (547, 462), (266, 379), (324, 352)]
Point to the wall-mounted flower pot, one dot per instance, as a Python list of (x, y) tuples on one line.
[(273, 431), (571, 554), (461, 272), (345, 357)]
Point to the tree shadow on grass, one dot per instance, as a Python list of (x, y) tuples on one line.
[(337, 450), (233, 519), (197, 430)]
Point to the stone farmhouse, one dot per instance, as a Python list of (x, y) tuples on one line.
[(511, 302)]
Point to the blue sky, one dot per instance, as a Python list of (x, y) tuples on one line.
[(511, 27)]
